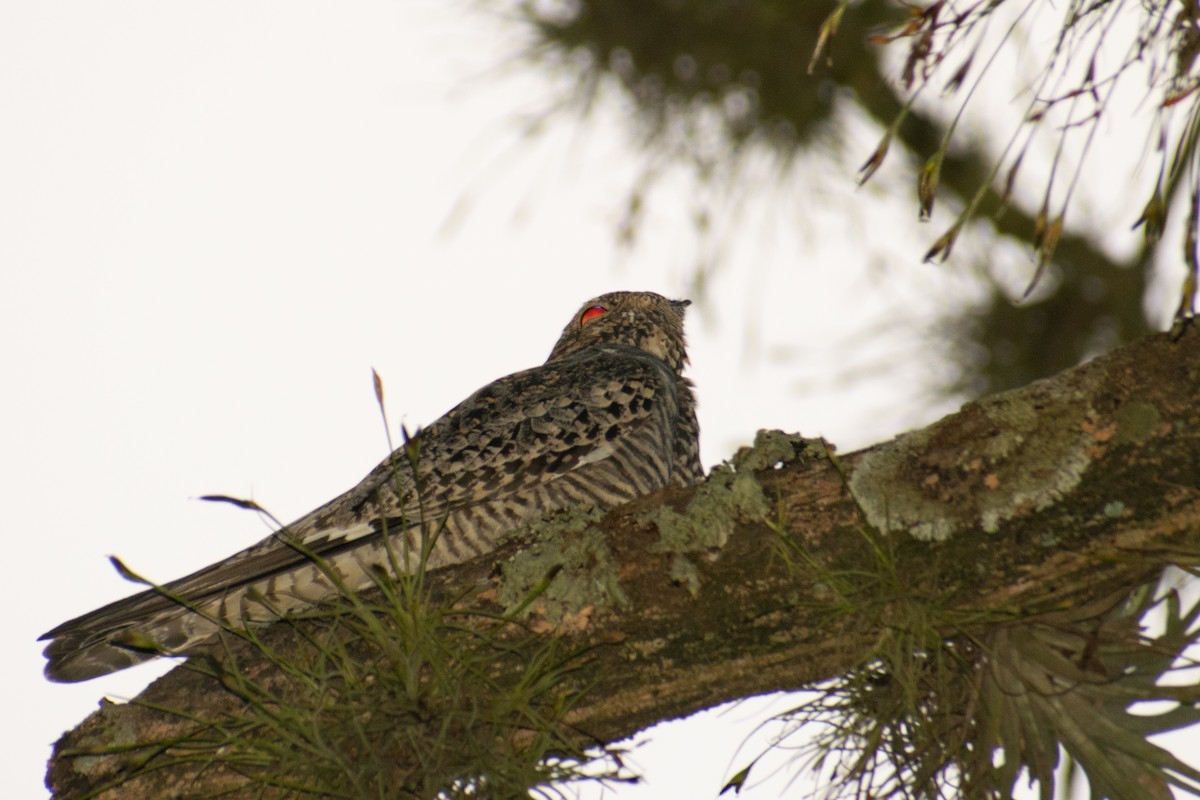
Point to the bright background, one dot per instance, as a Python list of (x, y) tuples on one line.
[(216, 218)]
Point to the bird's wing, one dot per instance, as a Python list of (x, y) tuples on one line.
[(529, 428), (540, 426)]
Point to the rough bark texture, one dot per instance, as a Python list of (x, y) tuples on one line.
[(1044, 497)]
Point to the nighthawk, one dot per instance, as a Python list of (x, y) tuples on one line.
[(607, 418)]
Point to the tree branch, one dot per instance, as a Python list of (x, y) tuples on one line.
[(1042, 498)]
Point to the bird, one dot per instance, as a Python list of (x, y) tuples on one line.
[(608, 417)]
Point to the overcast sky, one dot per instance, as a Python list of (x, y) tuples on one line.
[(216, 218)]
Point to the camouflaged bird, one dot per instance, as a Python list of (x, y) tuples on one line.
[(607, 418)]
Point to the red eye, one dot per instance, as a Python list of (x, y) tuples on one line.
[(591, 313)]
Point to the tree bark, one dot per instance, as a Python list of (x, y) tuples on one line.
[(1045, 497)]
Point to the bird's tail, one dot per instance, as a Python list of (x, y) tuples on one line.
[(123, 634), (73, 658)]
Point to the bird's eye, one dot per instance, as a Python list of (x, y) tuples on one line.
[(591, 313)]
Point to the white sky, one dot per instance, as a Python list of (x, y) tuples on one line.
[(216, 218)]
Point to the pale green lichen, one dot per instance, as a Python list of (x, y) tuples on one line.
[(569, 543), (118, 731), (684, 573), (715, 508), (771, 448), (1026, 455), (1136, 422), (730, 495)]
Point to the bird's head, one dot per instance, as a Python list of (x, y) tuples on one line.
[(644, 320)]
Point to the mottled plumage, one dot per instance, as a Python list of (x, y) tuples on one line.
[(607, 418)]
